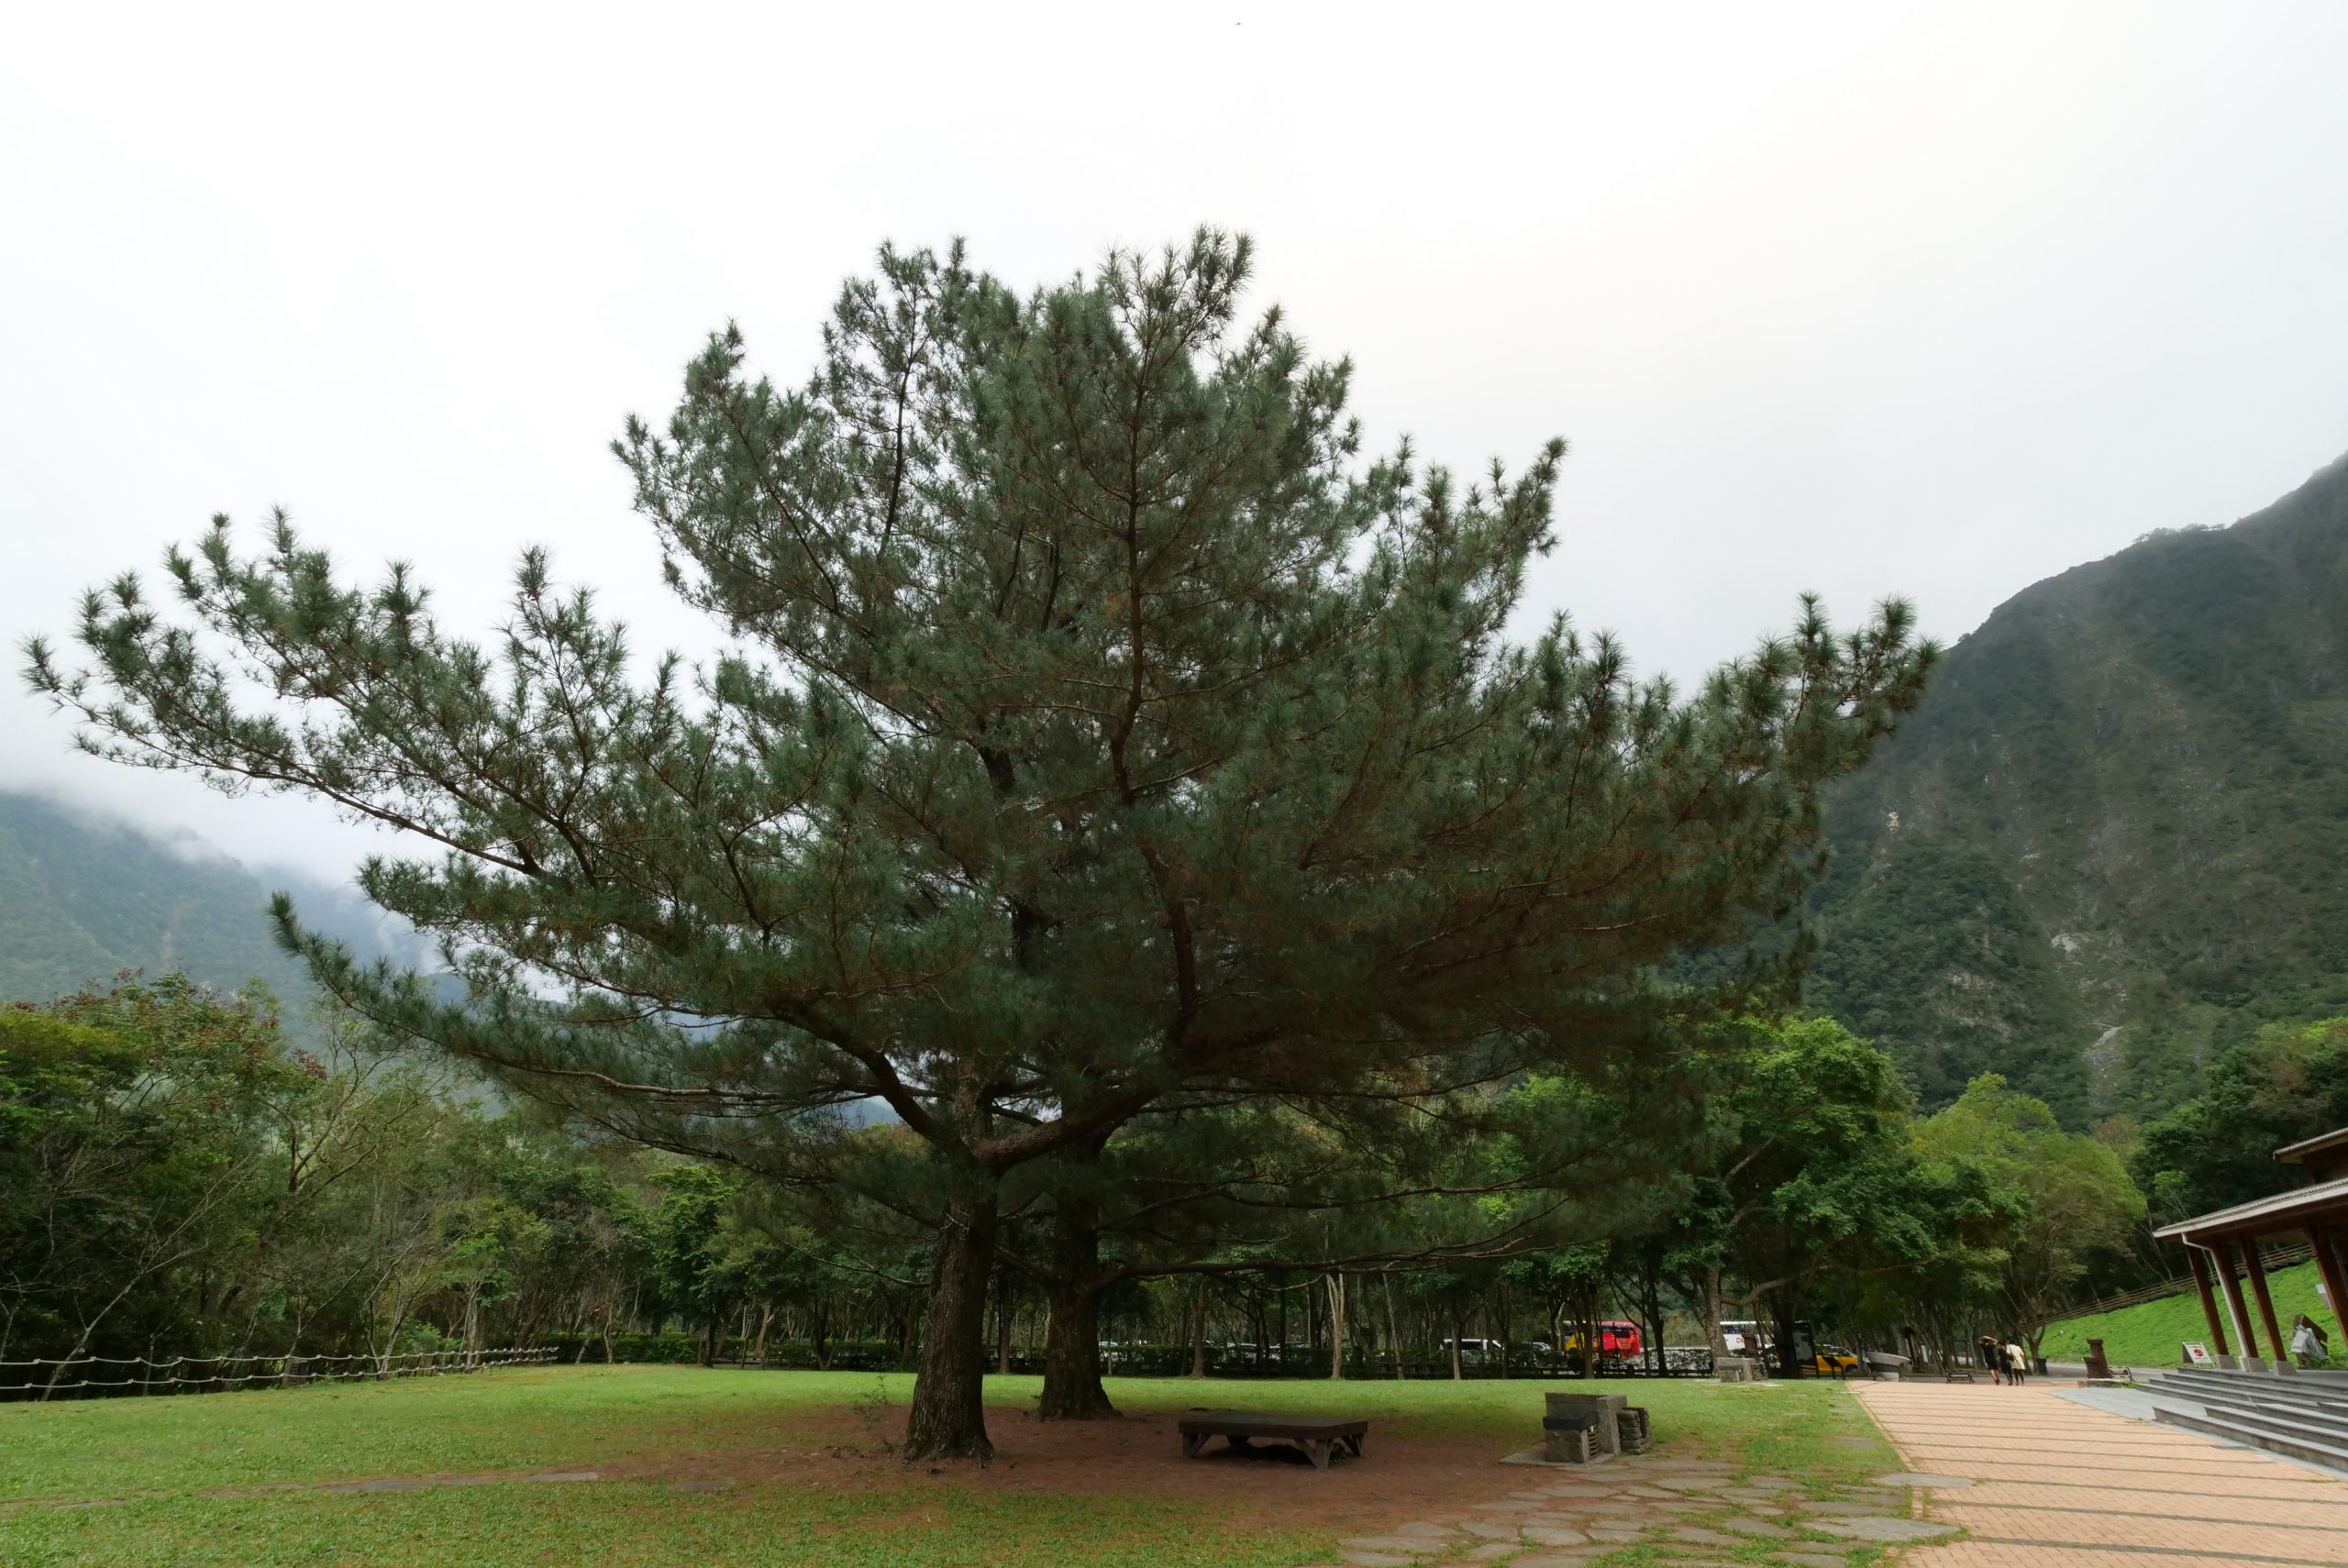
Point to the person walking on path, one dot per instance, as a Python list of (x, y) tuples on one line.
[(2016, 1363), (1992, 1355), (2310, 1344)]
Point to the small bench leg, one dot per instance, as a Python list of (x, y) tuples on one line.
[(1191, 1444), (1317, 1451)]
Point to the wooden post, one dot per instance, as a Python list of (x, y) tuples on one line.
[(2257, 1271), (1199, 1331), (2227, 1276), (2209, 1302), (1503, 1290)]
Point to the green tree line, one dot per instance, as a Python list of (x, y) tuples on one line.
[(181, 1181)]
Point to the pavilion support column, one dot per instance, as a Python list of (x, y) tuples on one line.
[(2224, 1252), (2327, 1263), (2209, 1302), (2257, 1271)]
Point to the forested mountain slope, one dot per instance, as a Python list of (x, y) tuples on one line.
[(2114, 838), (82, 899)]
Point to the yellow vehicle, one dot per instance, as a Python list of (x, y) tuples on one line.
[(1832, 1361)]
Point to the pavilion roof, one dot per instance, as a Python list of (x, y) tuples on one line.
[(2265, 1216), (2296, 1153)]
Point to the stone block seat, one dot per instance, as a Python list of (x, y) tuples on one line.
[(1320, 1437)]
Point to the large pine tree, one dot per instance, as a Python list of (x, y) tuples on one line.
[(1098, 727)]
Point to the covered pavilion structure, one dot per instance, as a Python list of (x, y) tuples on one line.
[(2214, 1243)]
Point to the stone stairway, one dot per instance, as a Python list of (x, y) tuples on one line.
[(2303, 1415)]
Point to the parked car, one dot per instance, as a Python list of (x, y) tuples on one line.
[(1832, 1361)]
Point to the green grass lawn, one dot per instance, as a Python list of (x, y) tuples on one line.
[(2148, 1333), (151, 1463)]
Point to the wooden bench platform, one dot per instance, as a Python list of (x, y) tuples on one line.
[(1319, 1437)]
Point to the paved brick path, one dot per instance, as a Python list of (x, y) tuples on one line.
[(2058, 1485)]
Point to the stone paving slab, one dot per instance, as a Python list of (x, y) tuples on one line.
[(1757, 1527), (1879, 1527), (1684, 1513), (1552, 1535)]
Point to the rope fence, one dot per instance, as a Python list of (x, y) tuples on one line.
[(28, 1380)]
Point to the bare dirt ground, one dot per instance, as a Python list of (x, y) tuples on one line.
[(1137, 1455)]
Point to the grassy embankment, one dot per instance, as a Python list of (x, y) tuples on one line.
[(785, 1499), (2148, 1333)]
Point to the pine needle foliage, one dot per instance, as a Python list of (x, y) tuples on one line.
[(1097, 724)]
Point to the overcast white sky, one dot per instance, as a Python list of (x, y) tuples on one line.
[(1865, 299)]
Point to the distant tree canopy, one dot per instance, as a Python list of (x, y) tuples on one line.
[(2068, 1193), (178, 1183), (1098, 730), (2288, 1084), (173, 1175)]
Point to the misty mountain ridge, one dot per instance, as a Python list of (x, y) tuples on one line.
[(2113, 839), (84, 896)]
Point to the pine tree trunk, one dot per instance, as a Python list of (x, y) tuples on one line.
[(1393, 1333), (1072, 1390), (1651, 1298), (948, 1418), (1711, 1309), (1782, 1309), (1336, 1325), (1003, 1323)]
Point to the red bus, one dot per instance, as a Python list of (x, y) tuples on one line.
[(1613, 1338)]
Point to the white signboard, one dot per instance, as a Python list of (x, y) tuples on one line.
[(2198, 1354)]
